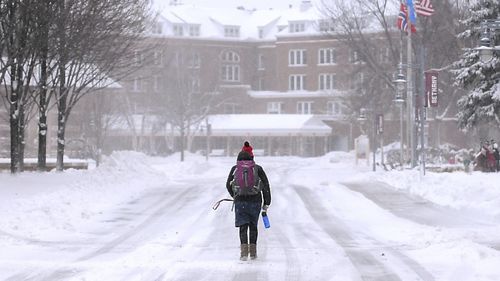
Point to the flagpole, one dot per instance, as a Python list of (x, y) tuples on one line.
[(409, 95)]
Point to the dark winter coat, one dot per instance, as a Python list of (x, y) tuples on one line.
[(266, 190)]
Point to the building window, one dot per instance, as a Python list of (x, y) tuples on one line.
[(304, 107), (230, 108), (299, 26), (357, 80), (296, 82), (232, 31), (195, 85), (137, 58), (158, 58), (274, 107), (178, 30), (194, 61), (333, 108), (261, 62), (327, 81), (385, 55), (156, 83), (136, 84), (297, 57), (230, 70), (326, 56), (353, 56), (260, 86), (194, 30), (157, 28), (325, 25)]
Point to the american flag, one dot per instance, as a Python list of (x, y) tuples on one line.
[(402, 22), (424, 8)]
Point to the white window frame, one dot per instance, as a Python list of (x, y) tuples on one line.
[(297, 26), (304, 107), (260, 85), (325, 25), (385, 55), (261, 62), (158, 57), (194, 30), (326, 56), (354, 56), (296, 82), (230, 69), (334, 108), (326, 81), (136, 84), (195, 85), (232, 31), (157, 28), (178, 30), (230, 73), (137, 58), (357, 80), (297, 57), (194, 61), (156, 83), (274, 107)]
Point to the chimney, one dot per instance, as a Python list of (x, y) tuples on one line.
[(305, 5)]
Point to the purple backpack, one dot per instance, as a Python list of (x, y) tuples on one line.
[(246, 180)]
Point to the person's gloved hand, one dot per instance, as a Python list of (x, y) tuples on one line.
[(265, 207)]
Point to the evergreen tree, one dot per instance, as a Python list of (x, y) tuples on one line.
[(481, 80)]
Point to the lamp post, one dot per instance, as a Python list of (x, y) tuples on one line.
[(487, 48), (363, 118), (208, 132), (400, 83)]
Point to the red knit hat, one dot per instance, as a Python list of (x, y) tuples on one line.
[(246, 147)]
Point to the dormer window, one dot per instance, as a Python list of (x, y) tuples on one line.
[(261, 33), (178, 30), (325, 25), (232, 31), (157, 28), (194, 30), (298, 26)]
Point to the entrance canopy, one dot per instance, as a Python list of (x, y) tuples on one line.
[(267, 125)]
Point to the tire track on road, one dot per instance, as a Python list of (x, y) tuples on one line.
[(369, 267)]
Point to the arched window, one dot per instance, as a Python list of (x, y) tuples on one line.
[(230, 69)]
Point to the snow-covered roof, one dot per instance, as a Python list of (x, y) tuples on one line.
[(254, 21), (294, 94), (253, 24), (268, 125), (230, 125)]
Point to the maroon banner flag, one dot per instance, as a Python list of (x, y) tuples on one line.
[(431, 89)]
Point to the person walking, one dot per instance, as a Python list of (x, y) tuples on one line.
[(496, 155), (248, 185)]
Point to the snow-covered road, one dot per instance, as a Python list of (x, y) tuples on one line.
[(329, 221)]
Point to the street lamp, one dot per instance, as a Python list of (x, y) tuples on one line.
[(363, 118), (400, 83), (487, 48)]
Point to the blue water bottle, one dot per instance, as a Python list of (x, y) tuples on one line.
[(265, 219)]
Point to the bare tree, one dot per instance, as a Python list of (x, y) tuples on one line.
[(96, 40), (184, 102), (17, 70)]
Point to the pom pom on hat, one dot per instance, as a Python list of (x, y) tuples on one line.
[(246, 147)]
